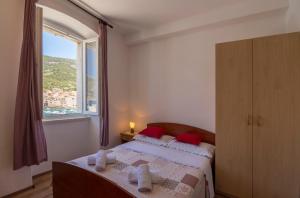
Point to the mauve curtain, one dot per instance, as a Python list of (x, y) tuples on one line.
[(29, 140), (103, 81)]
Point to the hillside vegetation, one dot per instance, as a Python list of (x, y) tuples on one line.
[(59, 73)]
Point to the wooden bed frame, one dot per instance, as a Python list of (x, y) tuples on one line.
[(70, 181)]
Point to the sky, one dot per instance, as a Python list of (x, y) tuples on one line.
[(58, 46)]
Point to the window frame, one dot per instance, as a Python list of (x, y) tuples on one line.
[(84, 65)]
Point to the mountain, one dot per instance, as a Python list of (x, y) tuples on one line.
[(59, 73)]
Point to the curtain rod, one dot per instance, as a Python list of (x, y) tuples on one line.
[(86, 11)]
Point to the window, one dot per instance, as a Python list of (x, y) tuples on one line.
[(91, 76), (70, 84)]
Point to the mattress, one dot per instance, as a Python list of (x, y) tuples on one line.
[(187, 175)]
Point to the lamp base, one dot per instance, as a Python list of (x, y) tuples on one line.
[(132, 131)]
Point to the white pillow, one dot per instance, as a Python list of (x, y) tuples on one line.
[(163, 141), (204, 149)]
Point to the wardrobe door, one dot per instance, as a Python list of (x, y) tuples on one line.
[(276, 108), (233, 118)]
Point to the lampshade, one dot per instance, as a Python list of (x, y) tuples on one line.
[(132, 125)]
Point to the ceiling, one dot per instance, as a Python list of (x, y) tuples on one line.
[(135, 15)]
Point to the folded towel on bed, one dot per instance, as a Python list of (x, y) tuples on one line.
[(101, 161), (110, 158), (144, 178), (101, 152), (155, 178)]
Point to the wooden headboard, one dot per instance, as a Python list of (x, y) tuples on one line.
[(175, 129)]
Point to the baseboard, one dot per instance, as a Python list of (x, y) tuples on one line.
[(41, 174)]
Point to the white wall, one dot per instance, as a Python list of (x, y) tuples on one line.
[(173, 79), (65, 140), (293, 16)]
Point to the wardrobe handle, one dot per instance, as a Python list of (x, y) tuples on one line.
[(250, 120)]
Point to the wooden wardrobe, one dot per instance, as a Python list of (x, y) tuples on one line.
[(258, 117)]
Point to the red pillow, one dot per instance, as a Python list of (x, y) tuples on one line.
[(190, 138), (155, 132)]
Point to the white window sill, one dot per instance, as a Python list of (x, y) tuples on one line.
[(65, 118)]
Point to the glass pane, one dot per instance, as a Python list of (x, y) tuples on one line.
[(91, 77), (60, 75)]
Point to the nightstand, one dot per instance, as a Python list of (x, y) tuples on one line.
[(126, 136)]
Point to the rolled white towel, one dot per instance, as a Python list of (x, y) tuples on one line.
[(155, 178), (101, 162), (144, 178), (91, 160), (111, 158), (100, 153)]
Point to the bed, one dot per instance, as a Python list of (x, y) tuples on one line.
[(187, 176)]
